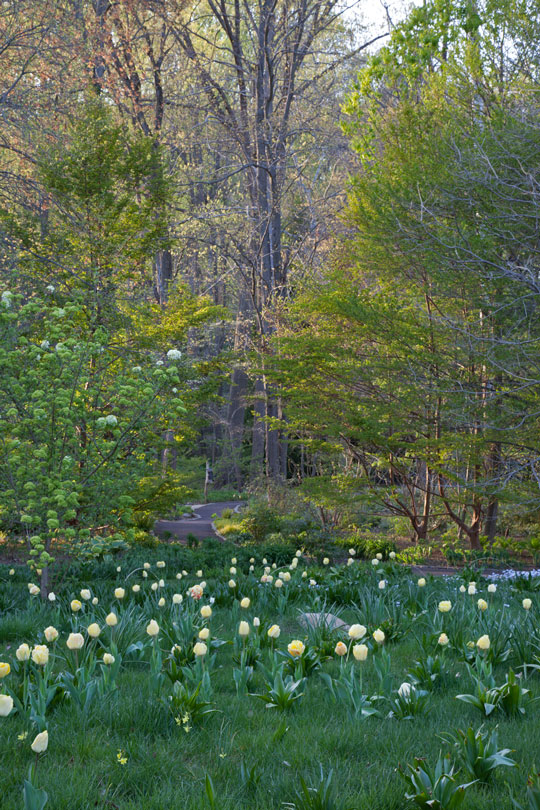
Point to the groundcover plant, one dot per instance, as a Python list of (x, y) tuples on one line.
[(188, 680)]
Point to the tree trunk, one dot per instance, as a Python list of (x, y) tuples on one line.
[(492, 514), (163, 267), (44, 584), (235, 420), (169, 454), (273, 467), (257, 444)]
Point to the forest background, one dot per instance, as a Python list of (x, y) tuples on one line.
[(275, 241)]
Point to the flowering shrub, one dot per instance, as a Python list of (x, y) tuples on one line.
[(78, 424)]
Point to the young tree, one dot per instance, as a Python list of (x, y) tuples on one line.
[(422, 343), (90, 372)]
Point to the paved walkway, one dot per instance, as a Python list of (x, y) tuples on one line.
[(200, 524)]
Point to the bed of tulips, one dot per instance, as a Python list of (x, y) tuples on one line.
[(256, 686)]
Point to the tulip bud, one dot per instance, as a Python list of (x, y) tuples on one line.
[(40, 742)]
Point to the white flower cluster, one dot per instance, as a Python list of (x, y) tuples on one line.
[(6, 298), (109, 420), (511, 573), (174, 354)]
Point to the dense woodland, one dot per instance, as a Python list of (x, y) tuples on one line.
[(266, 238)]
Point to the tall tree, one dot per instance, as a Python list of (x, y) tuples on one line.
[(418, 354), (261, 68)]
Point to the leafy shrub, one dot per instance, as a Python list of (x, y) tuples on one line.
[(143, 520), (414, 555), (368, 546), (259, 520), (97, 547), (144, 539), (233, 529), (315, 542), (491, 556), (160, 495)]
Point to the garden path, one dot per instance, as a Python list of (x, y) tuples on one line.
[(201, 524)]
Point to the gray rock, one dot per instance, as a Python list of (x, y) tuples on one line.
[(316, 619)]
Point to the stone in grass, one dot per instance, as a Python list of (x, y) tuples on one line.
[(316, 619)]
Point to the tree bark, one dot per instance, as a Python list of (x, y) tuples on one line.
[(163, 273)]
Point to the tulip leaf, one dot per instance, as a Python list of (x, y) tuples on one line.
[(34, 798)]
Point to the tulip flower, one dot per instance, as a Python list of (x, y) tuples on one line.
[(40, 742), (6, 705), (22, 653), (75, 641), (360, 652), (296, 648), (40, 654), (483, 643)]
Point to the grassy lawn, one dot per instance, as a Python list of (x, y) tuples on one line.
[(127, 748)]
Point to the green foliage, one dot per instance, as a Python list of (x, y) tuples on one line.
[(511, 697), (434, 789), (408, 703), (320, 797), (478, 753), (187, 707), (282, 693), (429, 673), (367, 546), (87, 388), (34, 798), (346, 689), (533, 793), (375, 359), (78, 425), (243, 674), (250, 776), (259, 521)]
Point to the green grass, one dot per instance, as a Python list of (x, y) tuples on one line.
[(167, 767)]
